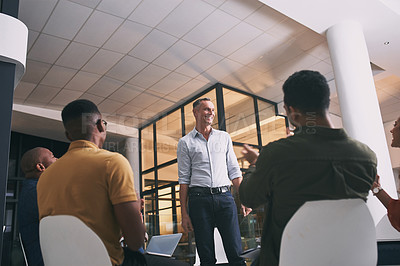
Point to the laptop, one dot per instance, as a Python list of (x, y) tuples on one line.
[(163, 245)]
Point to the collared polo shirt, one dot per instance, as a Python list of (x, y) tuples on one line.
[(86, 182), (203, 163), (317, 163)]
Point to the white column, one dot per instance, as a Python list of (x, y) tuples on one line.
[(131, 152), (358, 101)]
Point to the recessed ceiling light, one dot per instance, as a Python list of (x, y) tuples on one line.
[(386, 43)]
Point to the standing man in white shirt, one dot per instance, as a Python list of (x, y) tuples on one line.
[(207, 166)]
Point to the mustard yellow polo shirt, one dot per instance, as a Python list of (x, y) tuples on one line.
[(86, 182)]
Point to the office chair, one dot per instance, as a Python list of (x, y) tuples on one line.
[(330, 233), (65, 240)]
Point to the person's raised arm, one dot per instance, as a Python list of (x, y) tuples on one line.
[(381, 194), (129, 219)]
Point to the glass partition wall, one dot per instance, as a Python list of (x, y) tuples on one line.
[(248, 119)]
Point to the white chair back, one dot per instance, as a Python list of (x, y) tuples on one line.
[(330, 233), (385, 231), (219, 250), (65, 240)]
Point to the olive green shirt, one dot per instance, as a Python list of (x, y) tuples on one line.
[(316, 163)]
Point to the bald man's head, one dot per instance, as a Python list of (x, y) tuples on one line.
[(35, 161)]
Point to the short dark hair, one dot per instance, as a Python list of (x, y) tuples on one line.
[(307, 90), (198, 101), (77, 109)]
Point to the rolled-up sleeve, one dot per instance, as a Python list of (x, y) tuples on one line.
[(231, 161), (184, 163)]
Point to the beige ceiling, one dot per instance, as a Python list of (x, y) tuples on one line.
[(136, 59)]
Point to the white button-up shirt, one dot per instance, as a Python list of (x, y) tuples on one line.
[(203, 163)]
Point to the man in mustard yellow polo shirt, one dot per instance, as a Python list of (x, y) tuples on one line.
[(94, 185)]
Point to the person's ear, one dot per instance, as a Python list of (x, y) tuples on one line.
[(293, 113), (68, 136), (100, 126), (40, 167)]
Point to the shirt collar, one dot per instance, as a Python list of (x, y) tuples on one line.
[(81, 144), (194, 132), (324, 131)]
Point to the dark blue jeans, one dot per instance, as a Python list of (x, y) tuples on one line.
[(208, 211), (389, 253)]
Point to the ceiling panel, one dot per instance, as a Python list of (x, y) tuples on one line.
[(88, 3), (153, 45), (67, 19), (132, 33), (47, 48), (149, 76), (91, 97), (32, 36), (265, 18), (286, 29), (199, 63), (152, 12), (23, 90), (276, 56), (102, 61), (237, 37), (35, 71), (76, 55), (143, 100), (189, 88), (175, 56), (127, 68), (221, 70), (128, 111), (35, 13), (105, 86), (241, 76), (211, 28), (43, 94), (58, 76), (169, 83), (99, 27), (109, 106), (256, 48), (126, 93), (185, 16), (66, 96), (120, 8), (82, 81), (240, 9)]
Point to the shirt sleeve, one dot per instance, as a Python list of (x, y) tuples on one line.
[(256, 185), (231, 161), (120, 183), (184, 163)]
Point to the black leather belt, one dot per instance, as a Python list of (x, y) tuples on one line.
[(209, 190)]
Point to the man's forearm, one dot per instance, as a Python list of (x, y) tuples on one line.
[(183, 196)]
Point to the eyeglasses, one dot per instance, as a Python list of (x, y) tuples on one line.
[(102, 121)]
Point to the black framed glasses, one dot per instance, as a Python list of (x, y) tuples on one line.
[(102, 121)]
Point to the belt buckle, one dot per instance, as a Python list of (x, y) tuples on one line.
[(215, 190)]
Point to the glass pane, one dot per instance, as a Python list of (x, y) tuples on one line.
[(243, 163), (150, 213), (169, 131), (165, 210), (272, 127), (189, 118), (148, 181), (147, 148), (240, 117), (168, 174)]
